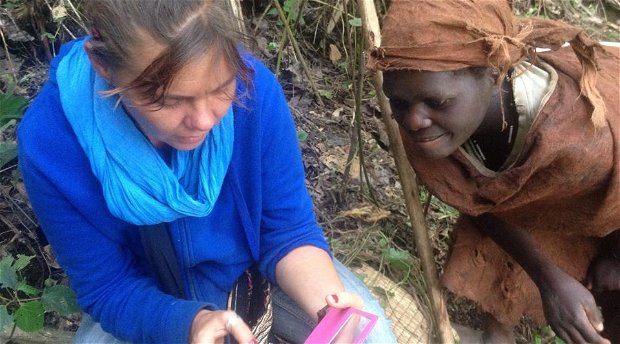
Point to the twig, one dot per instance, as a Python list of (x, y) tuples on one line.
[(80, 21), (370, 25), (260, 19), (283, 41), (356, 133), (291, 37), (284, 38), (336, 16), (238, 13), (8, 56)]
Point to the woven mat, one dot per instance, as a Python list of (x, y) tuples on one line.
[(409, 323)]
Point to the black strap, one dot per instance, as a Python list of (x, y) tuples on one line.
[(162, 257)]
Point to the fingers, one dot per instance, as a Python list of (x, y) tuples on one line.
[(213, 326), (594, 316), (344, 299), (236, 327), (585, 330), (596, 320)]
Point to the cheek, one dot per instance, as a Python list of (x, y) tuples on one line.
[(160, 121), (221, 107)]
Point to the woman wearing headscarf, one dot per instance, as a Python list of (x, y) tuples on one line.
[(526, 145)]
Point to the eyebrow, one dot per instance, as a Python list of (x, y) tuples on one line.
[(218, 88)]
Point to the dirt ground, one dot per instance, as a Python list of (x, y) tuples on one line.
[(357, 195)]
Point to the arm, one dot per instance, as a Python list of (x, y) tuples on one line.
[(293, 249), (90, 244), (569, 307), (308, 276)]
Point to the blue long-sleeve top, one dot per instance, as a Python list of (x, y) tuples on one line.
[(263, 212)]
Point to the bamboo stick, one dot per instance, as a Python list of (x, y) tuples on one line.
[(370, 26)]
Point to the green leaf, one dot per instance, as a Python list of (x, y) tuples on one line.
[(5, 318), (273, 46), (22, 261), (61, 299), (11, 107), (8, 275), (383, 243), (50, 37), (302, 136), (537, 339), (28, 289), (327, 94), (399, 259), (29, 317), (356, 22), (8, 152)]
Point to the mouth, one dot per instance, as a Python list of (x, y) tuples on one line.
[(428, 139), (191, 139)]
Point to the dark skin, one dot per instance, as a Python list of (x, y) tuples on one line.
[(604, 272), (440, 111)]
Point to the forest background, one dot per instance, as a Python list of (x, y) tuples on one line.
[(349, 169)]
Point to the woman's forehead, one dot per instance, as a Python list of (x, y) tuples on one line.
[(419, 79)]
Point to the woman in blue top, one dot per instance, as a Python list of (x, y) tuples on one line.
[(159, 120)]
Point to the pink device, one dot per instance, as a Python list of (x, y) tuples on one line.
[(334, 322)]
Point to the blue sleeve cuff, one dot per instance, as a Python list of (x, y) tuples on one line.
[(179, 320)]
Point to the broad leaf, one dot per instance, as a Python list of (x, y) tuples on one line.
[(60, 299), (8, 276), (5, 318), (397, 258), (11, 107), (29, 317), (356, 22), (28, 289), (22, 261), (8, 152), (302, 135)]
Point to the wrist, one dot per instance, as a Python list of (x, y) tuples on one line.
[(198, 322), (550, 278)]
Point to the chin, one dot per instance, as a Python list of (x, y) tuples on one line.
[(417, 152), (186, 147)]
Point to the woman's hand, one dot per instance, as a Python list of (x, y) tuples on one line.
[(344, 299), (571, 310), (351, 329), (213, 326)]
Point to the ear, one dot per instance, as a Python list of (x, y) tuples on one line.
[(96, 62)]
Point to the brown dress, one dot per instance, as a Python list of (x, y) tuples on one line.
[(564, 190)]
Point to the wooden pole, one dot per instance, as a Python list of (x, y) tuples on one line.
[(372, 34)]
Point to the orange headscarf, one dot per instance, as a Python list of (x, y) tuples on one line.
[(442, 35)]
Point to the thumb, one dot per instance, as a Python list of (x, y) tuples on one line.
[(595, 317), (344, 299)]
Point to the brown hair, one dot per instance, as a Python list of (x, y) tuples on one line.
[(187, 29)]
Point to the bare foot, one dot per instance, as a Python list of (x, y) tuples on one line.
[(497, 333)]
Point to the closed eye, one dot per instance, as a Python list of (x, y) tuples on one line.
[(399, 108), (171, 103), (437, 104), (399, 105)]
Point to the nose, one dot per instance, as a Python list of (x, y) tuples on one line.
[(418, 117), (201, 117)]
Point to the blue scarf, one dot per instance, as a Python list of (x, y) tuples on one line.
[(137, 184)]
